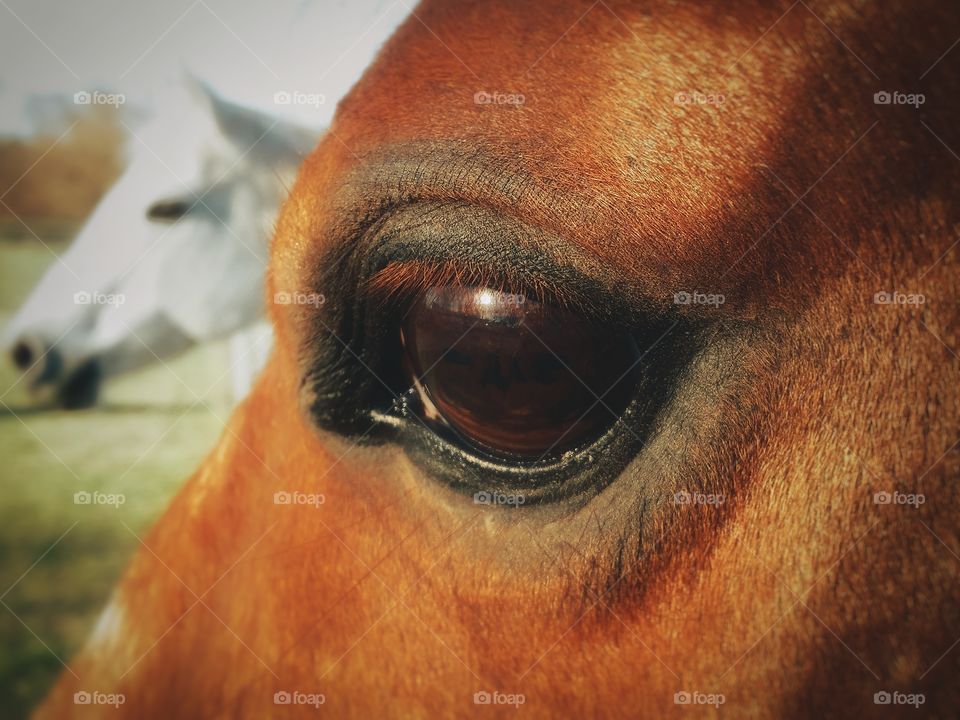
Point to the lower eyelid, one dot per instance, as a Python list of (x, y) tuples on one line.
[(572, 478)]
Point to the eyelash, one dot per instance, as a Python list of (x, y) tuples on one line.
[(405, 282)]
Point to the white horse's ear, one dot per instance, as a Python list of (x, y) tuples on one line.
[(196, 88), (276, 140), (239, 124), (260, 136), (242, 125)]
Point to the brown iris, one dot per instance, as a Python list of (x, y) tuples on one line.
[(515, 377)]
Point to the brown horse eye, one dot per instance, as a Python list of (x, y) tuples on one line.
[(513, 377)]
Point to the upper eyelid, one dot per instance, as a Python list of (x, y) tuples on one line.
[(491, 247), (391, 179), (425, 175)]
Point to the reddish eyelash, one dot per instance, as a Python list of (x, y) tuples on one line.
[(411, 279)]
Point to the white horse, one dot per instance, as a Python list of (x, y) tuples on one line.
[(174, 254)]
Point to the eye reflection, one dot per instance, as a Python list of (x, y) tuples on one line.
[(512, 377)]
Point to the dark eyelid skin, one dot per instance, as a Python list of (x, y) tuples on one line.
[(483, 208), (650, 264), (384, 182), (526, 257)]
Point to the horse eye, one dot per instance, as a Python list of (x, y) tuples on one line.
[(168, 210), (514, 378)]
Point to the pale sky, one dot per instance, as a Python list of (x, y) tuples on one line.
[(246, 50)]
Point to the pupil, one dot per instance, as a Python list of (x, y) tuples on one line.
[(513, 377)]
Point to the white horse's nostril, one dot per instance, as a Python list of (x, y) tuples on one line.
[(35, 359), (23, 355)]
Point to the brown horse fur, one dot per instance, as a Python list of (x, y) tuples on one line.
[(798, 198)]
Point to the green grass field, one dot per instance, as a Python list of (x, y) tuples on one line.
[(59, 560)]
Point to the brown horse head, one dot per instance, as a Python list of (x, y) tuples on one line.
[(728, 234)]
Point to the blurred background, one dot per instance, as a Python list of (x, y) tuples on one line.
[(111, 388)]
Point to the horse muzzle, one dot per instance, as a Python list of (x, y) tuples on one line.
[(49, 375)]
